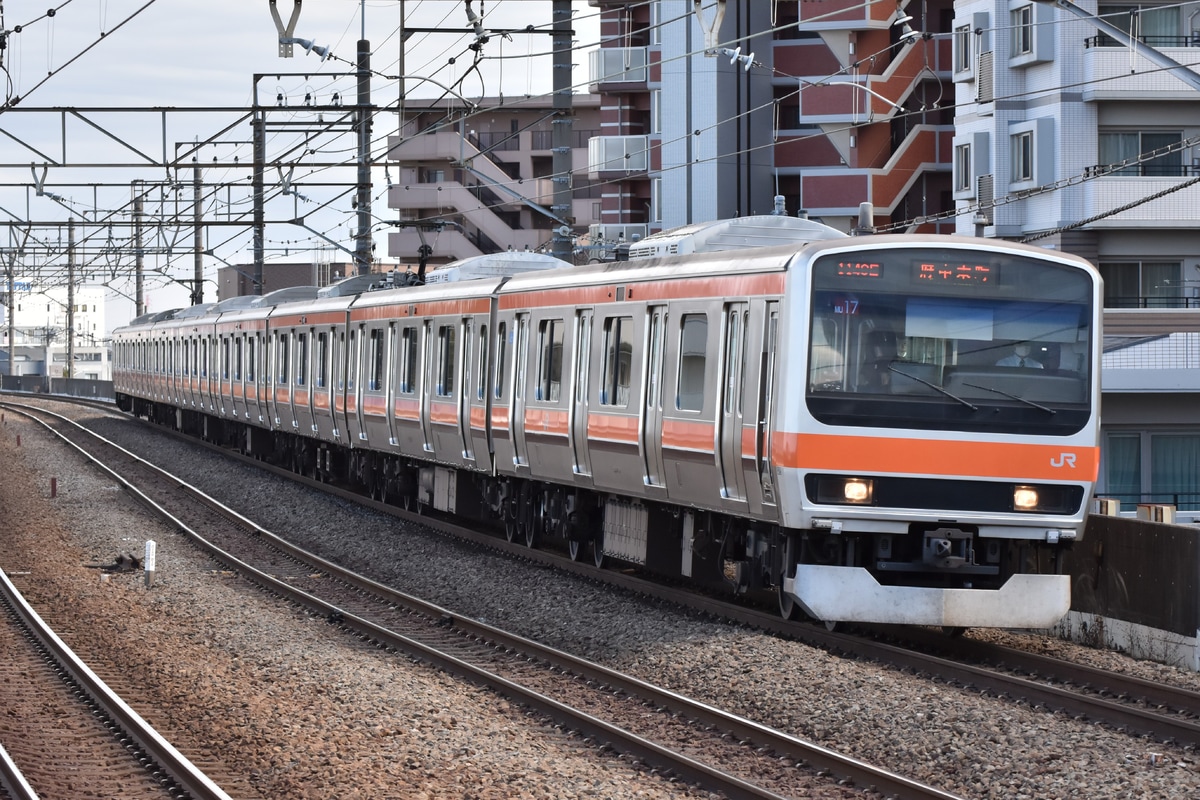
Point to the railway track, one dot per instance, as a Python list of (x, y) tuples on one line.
[(74, 730), (667, 732)]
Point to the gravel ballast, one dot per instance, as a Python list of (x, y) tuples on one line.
[(339, 719)]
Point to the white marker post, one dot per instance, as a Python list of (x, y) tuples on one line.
[(148, 562)]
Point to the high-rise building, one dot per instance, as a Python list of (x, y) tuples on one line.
[(712, 114)]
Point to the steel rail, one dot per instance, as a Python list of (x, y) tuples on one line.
[(189, 777), (819, 758)]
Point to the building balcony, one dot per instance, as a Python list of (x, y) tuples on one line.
[(623, 154), (1174, 210), (617, 65), (848, 100), (838, 190), (1114, 73)]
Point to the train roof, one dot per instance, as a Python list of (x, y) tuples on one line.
[(495, 265), (739, 233)]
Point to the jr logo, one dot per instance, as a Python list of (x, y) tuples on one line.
[(1063, 460)]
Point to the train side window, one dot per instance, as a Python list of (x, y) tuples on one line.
[(550, 335), (481, 368), (352, 360), (501, 360), (204, 359), (618, 356), (375, 360), (321, 364), (225, 358), (301, 359), (445, 361), (408, 360), (693, 347), (282, 353), (251, 352)]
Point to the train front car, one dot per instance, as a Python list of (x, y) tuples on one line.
[(936, 435)]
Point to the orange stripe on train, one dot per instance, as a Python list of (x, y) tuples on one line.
[(867, 454)]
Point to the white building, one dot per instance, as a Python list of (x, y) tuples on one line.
[(1088, 147), (42, 321)]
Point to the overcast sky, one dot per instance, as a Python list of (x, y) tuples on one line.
[(203, 53)]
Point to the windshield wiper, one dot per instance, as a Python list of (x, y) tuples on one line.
[(933, 386), (1011, 396)]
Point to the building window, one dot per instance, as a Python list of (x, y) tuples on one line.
[(962, 168), (1021, 20), (1022, 157), (962, 49), (1157, 27), (1143, 284), (1127, 147)]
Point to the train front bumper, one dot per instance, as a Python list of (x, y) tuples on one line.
[(851, 594)]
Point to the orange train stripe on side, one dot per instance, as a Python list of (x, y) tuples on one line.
[(867, 454), (687, 435), (612, 428), (545, 421), (443, 413), (755, 284)]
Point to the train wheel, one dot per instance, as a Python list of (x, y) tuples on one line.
[(788, 608), (833, 626), (510, 530), (574, 549), (598, 550)]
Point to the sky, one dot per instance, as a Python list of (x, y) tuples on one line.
[(147, 54)]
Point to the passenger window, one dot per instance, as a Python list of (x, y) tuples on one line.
[(408, 360), (375, 360), (282, 353), (550, 334), (321, 365), (501, 356), (237, 358), (445, 362), (301, 359), (481, 369), (693, 345), (251, 352), (618, 358)]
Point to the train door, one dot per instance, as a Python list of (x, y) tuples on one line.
[(764, 421), (354, 383), (652, 416), (428, 386), (729, 410), (340, 378), (466, 387), (479, 405), (517, 415), (578, 421)]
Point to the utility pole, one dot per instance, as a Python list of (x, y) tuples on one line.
[(260, 166), (69, 370), (198, 237), (139, 253), (561, 136), (362, 244)]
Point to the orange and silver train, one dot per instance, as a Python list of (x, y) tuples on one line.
[(897, 428)]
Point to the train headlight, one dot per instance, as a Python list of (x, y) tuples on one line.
[(858, 490), (1025, 498), (840, 490)]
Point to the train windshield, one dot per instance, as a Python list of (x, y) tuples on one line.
[(950, 339)]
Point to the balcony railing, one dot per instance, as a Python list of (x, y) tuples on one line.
[(1146, 170), (1157, 301), (617, 65), (1104, 40)]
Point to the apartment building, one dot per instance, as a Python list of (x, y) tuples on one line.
[(1068, 138), (482, 181), (712, 114)]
